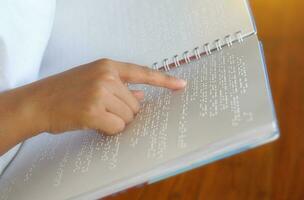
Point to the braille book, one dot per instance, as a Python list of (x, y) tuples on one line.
[(225, 109)]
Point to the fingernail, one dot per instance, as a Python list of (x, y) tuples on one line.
[(182, 82)]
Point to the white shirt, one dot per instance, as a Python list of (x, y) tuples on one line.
[(25, 27)]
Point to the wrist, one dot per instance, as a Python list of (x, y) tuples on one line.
[(22, 115)]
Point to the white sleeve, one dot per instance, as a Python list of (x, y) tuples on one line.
[(25, 27)]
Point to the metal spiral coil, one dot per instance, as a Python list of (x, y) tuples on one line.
[(208, 49)]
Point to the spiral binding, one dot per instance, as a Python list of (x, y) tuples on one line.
[(218, 45), (176, 61)]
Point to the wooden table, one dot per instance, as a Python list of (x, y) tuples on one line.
[(273, 171)]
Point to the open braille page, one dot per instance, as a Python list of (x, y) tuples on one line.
[(141, 32), (226, 99)]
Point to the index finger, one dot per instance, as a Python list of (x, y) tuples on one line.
[(138, 74)]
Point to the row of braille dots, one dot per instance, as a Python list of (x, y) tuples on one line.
[(219, 44)]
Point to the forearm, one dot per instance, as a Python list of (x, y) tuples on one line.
[(18, 117)]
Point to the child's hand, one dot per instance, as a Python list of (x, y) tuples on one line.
[(93, 96)]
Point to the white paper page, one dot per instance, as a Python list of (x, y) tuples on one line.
[(226, 97), (141, 32)]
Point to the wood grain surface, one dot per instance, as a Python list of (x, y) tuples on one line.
[(273, 171)]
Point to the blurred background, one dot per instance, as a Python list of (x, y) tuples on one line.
[(273, 171)]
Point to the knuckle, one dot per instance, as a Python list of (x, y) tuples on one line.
[(105, 61), (97, 91), (102, 93), (99, 86), (129, 117), (108, 77), (100, 66), (92, 109), (117, 129)]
